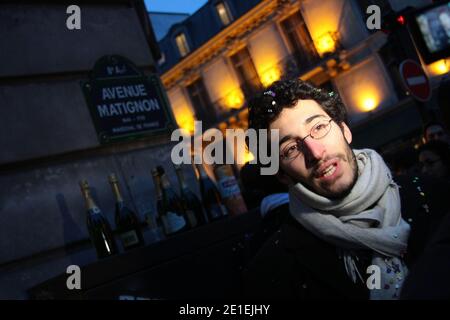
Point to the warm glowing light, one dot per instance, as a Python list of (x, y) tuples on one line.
[(234, 99), (439, 67), (270, 76), (368, 104), (185, 121), (325, 43), (248, 156)]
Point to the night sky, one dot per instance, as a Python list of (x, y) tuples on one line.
[(178, 6)]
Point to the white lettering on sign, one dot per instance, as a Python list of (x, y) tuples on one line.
[(413, 81), (129, 107), (122, 92)]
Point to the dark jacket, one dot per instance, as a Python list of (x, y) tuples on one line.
[(429, 278), (295, 264)]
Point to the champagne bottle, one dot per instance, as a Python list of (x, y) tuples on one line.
[(170, 211), (192, 205), (127, 223), (229, 189), (99, 229), (210, 196)]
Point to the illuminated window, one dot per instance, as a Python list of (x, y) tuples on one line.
[(246, 72), (223, 13), (201, 102), (299, 39), (182, 44)]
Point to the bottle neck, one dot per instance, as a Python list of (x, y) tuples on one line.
[(181, 178), (157, 182), (116, 190), (90, 204)]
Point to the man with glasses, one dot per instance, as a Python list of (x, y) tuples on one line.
[(347, 233)]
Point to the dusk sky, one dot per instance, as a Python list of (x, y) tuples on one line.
[(179, 6)]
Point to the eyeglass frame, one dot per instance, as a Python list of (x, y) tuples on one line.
[(301, 141)]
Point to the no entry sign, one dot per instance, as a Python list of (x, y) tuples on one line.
[(415, 80)]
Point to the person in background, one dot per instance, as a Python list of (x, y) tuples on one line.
[(268, 194), (402, 161), (434, 158), (435, 131)]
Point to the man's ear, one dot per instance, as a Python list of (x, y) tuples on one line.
[(347, 133), (283, 177)]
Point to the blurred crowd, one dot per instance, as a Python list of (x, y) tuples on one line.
[(431, 157)]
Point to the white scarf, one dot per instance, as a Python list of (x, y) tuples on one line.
[(368, 218)]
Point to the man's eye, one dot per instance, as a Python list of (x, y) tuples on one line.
[(288, 151), (320, 127)]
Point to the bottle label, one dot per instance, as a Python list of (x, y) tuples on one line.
[(229, 187), (129, 238), (174, 222), (95, 210), (191, 217)]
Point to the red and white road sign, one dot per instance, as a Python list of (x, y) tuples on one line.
[(415, 80)]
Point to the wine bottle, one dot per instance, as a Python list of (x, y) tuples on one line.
[(99, 229), (229, 189), (127, 223), (170, 211), (192, 205), (211, 198)]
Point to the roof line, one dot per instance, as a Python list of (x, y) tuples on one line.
[(173, 13)]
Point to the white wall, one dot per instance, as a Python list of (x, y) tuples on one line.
[(267, 48), (181, 107), (219, 79), (368, 79), (334, 16)]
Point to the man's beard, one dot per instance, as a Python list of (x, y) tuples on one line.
[(351, 159)]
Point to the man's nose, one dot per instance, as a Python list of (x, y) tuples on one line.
[(313, 149)]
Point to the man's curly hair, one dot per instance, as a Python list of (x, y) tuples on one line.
[(267, 106)]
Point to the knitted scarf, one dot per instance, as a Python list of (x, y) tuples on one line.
[(369, 217)]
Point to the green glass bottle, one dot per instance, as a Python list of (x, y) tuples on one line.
[(211, 198), (192, 205), (127, 223), (99, 229), (169, 208)]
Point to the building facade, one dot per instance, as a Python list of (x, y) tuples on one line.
[(226, 51), (49, 139)]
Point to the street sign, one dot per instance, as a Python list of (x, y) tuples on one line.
[(415, 80), (124, 103)]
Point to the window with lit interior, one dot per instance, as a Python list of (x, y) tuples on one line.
[(224, 13), (182, 44)]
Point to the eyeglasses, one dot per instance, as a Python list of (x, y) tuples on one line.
[(294, 148)]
